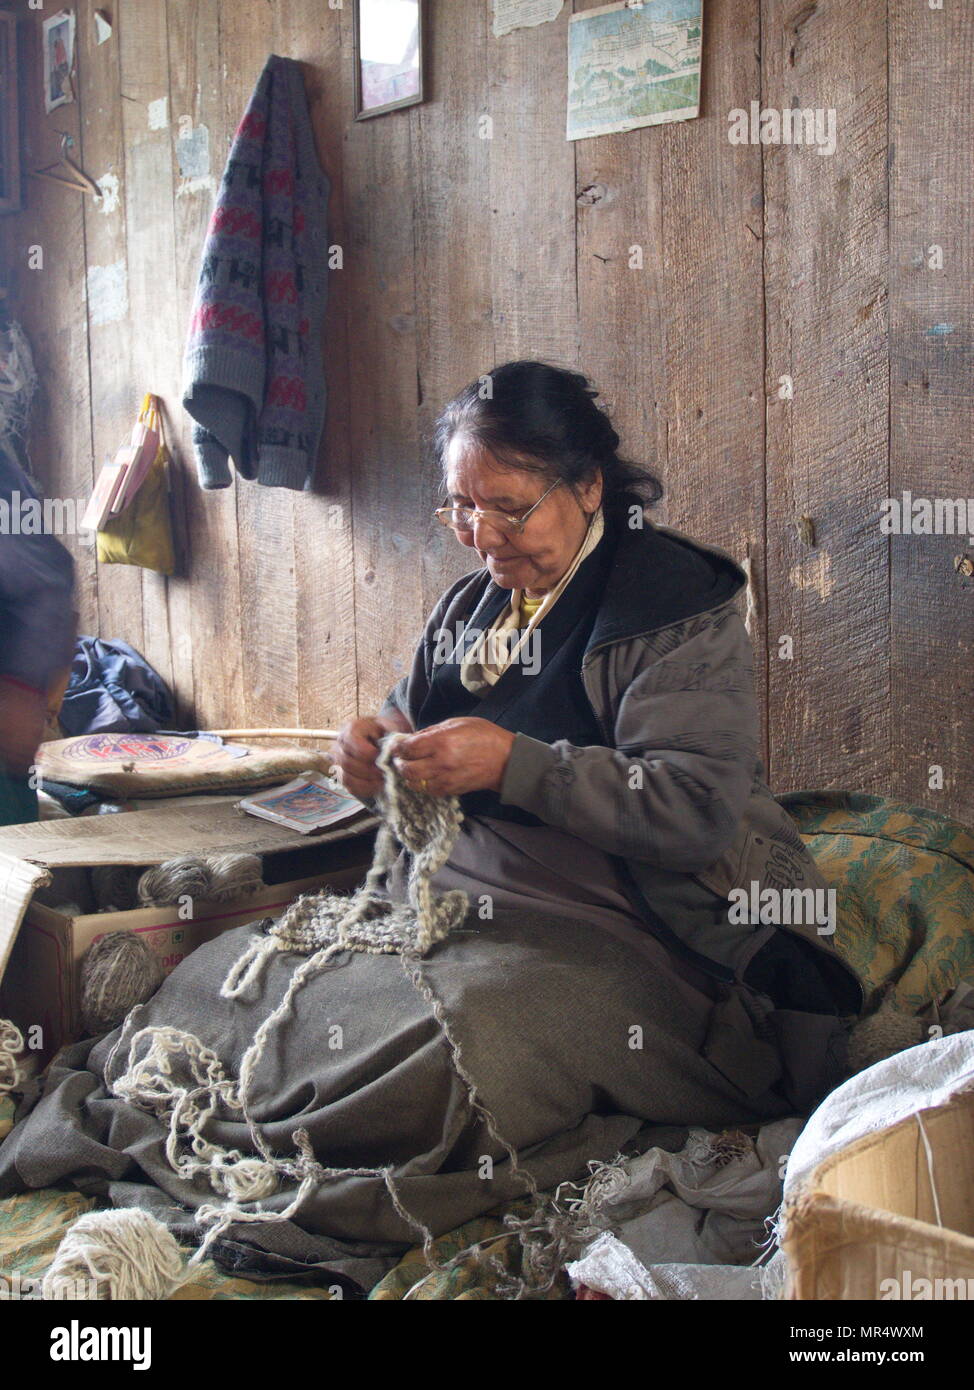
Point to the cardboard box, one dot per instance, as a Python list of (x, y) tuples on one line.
[(883, 1219), (41, 982)]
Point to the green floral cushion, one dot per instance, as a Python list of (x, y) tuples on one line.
[(904, 881), (476, 1276)]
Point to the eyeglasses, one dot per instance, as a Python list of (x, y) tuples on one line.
[(464, 518)]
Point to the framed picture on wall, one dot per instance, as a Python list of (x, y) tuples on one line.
[(9, 115), (58, 42), (388, 55)]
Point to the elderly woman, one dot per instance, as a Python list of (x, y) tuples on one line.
[(587, 694)]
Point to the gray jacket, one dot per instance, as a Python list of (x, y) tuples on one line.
[(677, 790)]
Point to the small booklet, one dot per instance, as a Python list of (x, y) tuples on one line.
[(106, 490), (138, 457), (307, 804)]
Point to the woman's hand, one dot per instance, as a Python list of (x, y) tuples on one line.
[(457, 756), (356, 748)]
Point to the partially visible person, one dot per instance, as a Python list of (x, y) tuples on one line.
[(37, 631)]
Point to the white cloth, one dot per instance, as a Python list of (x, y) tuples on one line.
[(499, 647), (646, 1258), (608, 1266), (920, 1078), (690, 1224)]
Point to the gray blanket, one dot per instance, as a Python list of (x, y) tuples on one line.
[(575, 1041)]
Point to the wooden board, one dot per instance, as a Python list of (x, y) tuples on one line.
[(387, 488), (207, 522), (931, 400), (115, 394), (532, 197), (826, 330), (48, 289), (454, 332), (327, 680), (152, 837)]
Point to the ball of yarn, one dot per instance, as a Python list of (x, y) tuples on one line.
[(184, 876), (233, 874), (117, 972), (121, 1254), (217, 877)]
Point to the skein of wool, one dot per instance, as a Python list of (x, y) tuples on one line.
[(184, 876), (118, 1254), (233, 874), (117, 972), (218, 877)]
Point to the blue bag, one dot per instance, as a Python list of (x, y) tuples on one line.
[(112, 689)]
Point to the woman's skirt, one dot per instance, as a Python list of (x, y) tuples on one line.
[(574, 1040)]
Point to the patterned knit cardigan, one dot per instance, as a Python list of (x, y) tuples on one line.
[(253, 379)]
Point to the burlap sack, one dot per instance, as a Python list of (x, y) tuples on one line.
[(129, 765)]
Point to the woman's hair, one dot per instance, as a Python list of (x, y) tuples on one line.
[(543, 419)]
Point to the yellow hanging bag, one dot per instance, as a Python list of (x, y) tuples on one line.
[(142, 533)]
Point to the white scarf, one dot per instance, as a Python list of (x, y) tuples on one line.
[(496, 649)]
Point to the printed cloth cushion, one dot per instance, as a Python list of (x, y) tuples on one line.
[(904, 881)]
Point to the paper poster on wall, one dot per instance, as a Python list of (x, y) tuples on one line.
[(58, 45), (632, 65), (523, 14)]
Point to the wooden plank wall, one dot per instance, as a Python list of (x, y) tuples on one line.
[(778, 348)]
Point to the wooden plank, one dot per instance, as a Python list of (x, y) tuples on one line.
[(621, 283), (686, 394), (152, 837), (454, 333), (265, 515), (826, 322), (327, 686), (532, 202), (210, 575), (114, 395), (931, 399), (175, 592), (144, 73), (49, 303), (387, 491)]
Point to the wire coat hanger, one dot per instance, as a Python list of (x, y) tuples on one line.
[(74, 177)]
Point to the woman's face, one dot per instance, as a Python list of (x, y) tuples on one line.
[(536, 559)]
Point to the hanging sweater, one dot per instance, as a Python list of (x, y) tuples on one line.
[(253, 379)]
